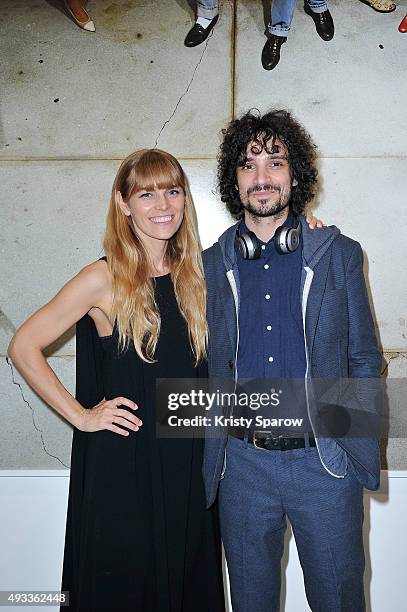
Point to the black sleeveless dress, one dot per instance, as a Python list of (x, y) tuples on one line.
[(138, 536)]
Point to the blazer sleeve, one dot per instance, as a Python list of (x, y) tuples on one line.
[(365, 403), (365, 360)]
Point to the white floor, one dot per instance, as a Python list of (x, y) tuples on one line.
[(32, 524)]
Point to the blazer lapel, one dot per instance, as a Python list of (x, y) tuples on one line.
[(315, 298), (228, 305)]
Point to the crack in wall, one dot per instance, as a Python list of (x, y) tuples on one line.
[(393, 356), (33, 415), (184, 93)]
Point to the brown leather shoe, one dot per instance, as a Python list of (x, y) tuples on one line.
[(197, 34), (271, 51), (324, 23)]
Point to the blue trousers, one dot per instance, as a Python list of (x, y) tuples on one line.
[(259, 491), (282, 12), (207, 8)]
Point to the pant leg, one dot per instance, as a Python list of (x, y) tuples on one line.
[(318, 6), (253, 525), (282, 12), (326, 514), (207, 8)]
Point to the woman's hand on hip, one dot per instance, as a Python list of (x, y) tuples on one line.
[(108, 415)]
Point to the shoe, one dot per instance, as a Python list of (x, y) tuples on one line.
[(380, 6), (323, 22), (197, 34), (403, 25), (86, 24), (271, 51)]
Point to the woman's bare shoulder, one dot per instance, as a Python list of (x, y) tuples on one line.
[(97, 277)]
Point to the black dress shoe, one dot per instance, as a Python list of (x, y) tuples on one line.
[(197, 34), (271, 51), (323, 22)]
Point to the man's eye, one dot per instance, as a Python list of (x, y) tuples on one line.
[(248, 166), (276, 164)]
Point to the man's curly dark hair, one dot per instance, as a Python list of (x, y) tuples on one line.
[(264, 131)]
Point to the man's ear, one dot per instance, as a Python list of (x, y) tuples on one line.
[(122, 204)]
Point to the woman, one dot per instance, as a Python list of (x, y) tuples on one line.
[(138, 535)]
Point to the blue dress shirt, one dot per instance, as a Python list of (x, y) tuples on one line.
[(271, 344)]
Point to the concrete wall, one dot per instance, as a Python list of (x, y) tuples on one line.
[(73, 104)]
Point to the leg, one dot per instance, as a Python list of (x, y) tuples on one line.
[(326, 514), (207, 16), (207, 8), (324, 24), (252, 528), (282, 12), (318, 6)]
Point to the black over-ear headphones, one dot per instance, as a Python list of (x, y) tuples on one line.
[(286, 240)]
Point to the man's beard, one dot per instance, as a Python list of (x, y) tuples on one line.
[(264, 208)]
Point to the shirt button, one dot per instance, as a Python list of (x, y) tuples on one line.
[(266, 266), (271, 359), (263, 246), (267, 296), (268, 327)]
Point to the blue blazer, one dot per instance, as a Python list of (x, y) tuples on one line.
[(339, 338)]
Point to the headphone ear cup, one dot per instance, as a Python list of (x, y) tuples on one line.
[(248, 245), (287, 239), (280, 240), (241, 245), (293, 238)]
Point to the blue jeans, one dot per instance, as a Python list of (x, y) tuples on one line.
[(282, 12), (207, 8), (259, 490)]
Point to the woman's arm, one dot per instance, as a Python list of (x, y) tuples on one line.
[(89, 289)]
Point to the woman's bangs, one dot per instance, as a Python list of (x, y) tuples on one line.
[(156, 171)]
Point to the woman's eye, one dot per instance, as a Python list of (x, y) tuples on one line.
[(147, 194), (174, 192)]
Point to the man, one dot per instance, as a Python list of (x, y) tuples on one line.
[(282, 12), (304, 314)]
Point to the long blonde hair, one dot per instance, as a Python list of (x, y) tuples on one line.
[(134, 307)]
